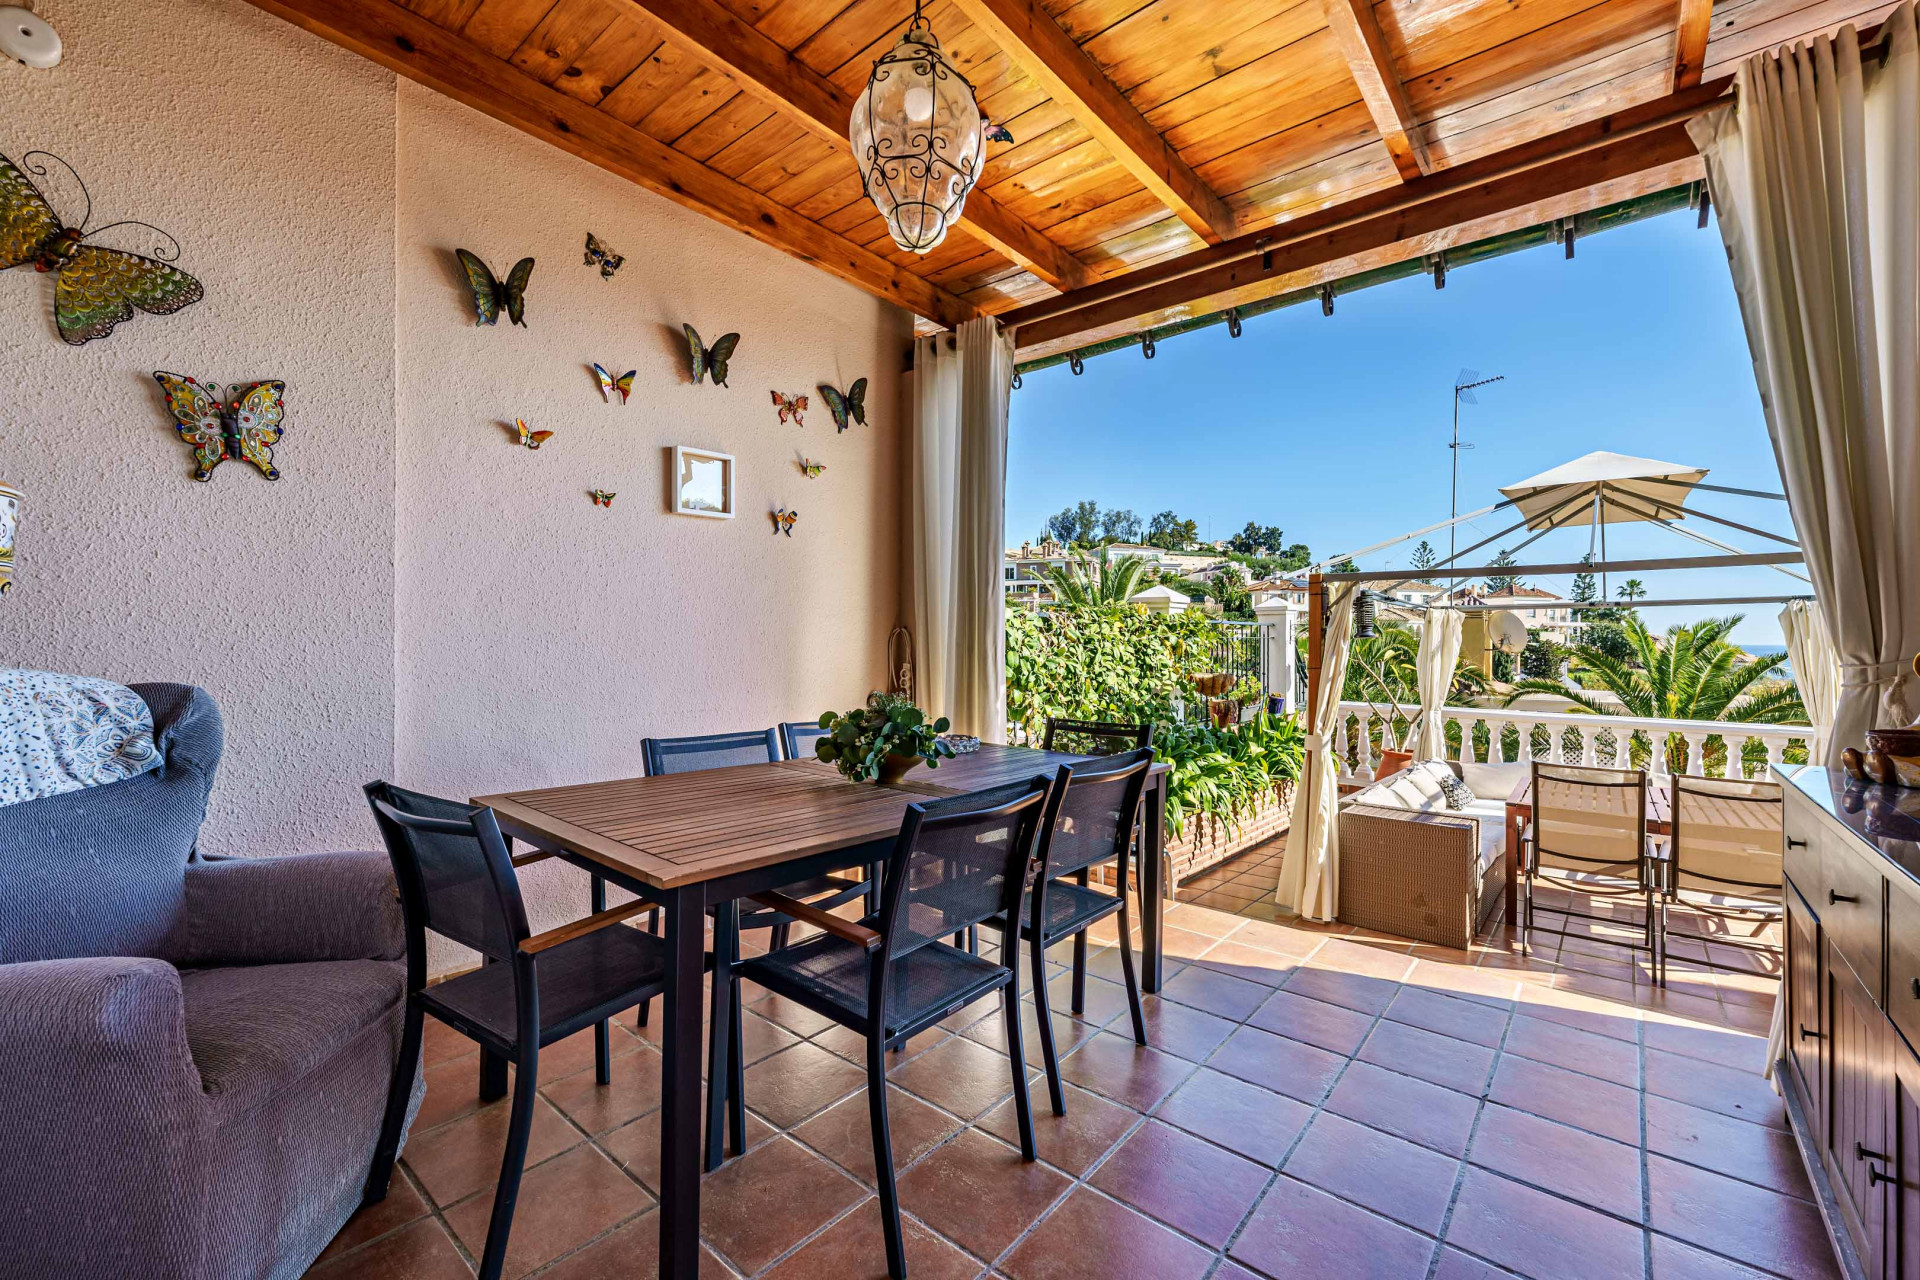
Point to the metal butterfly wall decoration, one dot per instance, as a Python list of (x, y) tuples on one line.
[(601, 497), (243, 422), (94, 289), (998, 133), (783, 521), (490, 296), (791, 407), (852, 405), (597, 253), (711, 360), (609, 384), (528, 436)]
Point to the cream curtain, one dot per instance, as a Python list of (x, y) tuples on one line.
[(957, 476), (1816, 170), (1815, 669), (1310, 872), (1433, 671)]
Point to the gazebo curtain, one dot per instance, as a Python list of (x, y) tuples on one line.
[(1310, 872), (1816, 671), (1433, 672), (1816, 171), (956, 517)]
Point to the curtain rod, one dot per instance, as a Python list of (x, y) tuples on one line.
[(1754, 560), (1660, 604)]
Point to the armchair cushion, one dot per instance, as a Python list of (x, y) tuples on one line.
[(61, 733), (261, 1028), (313, 906)]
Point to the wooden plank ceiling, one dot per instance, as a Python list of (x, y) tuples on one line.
[(1144, 130)]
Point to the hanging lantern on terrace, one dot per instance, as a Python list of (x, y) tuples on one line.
[(918, 137), (10, 500)]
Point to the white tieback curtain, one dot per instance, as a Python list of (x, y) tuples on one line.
[(1433, 672), (1815, 669), (1310, 872), (1816, 172), (957, 468)]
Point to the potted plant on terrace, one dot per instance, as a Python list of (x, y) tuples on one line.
[(882, 740)]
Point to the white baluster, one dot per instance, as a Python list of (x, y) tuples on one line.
[(1774, 747), (1657, 762), (1496, 742), (1589, 747), (1340, 746), (1526, 742)]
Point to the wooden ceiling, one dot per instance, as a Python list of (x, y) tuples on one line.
[(1152, 137)]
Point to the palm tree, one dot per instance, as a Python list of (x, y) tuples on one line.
[(1690, 673), (1632, 589), (1090, 581)]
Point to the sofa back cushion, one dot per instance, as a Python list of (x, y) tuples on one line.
[(61, 733), (101, 871)]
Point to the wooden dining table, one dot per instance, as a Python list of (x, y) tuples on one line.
[(1520, 816), (700, 841)]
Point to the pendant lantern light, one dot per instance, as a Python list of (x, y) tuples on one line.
[(918, 137)]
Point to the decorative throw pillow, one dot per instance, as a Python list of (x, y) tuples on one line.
[(61, 733), (1459, 794)]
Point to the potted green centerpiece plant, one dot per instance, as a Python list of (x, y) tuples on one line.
[(882, 740)]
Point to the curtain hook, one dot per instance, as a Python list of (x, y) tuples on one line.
[(1233, 322), (1076, 364), (1438, 261), (1016, 379), (1146, 344), (1326, 299)]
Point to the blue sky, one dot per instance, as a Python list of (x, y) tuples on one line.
[(1336, 428)]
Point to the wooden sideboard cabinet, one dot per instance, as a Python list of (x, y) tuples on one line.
[(1850, 1072)]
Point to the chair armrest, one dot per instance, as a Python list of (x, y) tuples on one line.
[(90, 1029), (845, 930), (311, 906), (580, 928)]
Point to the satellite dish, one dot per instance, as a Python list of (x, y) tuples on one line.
[(1506, 632)]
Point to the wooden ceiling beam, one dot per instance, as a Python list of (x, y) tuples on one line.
[(1026, 34), (1358, 34), (413, 47), (762, 67), (1690, 44)]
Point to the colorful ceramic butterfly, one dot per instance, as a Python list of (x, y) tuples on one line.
[(94, 289), (791, 407), (812, 468), (608, 260), (601, 498), (998, 133), (710, 360), (529, 437), (609, 383), (490, 296), (783, 521), (851, 405), (245, 423)]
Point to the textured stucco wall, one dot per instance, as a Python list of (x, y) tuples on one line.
[(541, 637), (270, 155)]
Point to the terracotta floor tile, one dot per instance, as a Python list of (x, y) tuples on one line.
[(574, 1054), (1301, 1231), (1575, 1009), (1389, 960), (756, 1208), (763, 1038), (1474, 981), (1105, 1000), (1737, 1148), (852, 1046), (1274, 1062), (960, 1075), (1455, 1265), (1092, 1238), (1764, 1228), (1183, 1181), (1720, 1045), (1215, 992), (1315, 1022), (1570, 1048), (1117, 1068), (1214, 924), (1743, 1094), (798, 1081), (1249, 963), (796, 1018), (1442, 1060), (1184, 944), (1675, 1261), (630, 1253), (402, 1205), (1596, 1171), (1581, 1101), (854, 1249), (634, 1091), (419, 1252), (1392, 1177), (1422, 1113), (636, 1146), (1068, 1033), (458, 1159), (1537, 1235), (563, 1204), (1071, 1142), (1445, 1015), (453, 1090), (844, 1132), (1364, 994), (1255, 1122), (979, 1193), (1176, 1029), (1282, 938), (441, 1043)]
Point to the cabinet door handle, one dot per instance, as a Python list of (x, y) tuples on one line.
[(1875, 1177), (1916, 988), (1795, 844), (1861, 1153), (1808, 1033), (1834, 896)]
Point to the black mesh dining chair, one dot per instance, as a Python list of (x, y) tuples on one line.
[(798, 736), (1094, 737), (456, 878), (1090, 819), (955, 863)]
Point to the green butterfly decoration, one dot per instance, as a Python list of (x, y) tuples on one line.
[(852, 405), (711, 360), (490, 296)]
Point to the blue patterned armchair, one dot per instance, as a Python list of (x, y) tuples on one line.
[(195, 1053)]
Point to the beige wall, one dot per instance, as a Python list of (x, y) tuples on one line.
[(199, 116), (418, 598)]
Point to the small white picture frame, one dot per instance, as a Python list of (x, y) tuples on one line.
[(702, 483)]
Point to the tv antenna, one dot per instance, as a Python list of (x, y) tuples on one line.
[(1462, 390)]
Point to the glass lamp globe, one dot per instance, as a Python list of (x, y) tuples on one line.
[(919, 139)]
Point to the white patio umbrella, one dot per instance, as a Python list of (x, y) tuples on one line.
[(1616, 488)]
